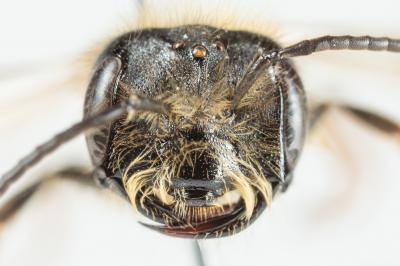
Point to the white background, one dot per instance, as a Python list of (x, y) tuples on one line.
[(342, 208)]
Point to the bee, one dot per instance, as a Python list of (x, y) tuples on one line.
[(199, 125)]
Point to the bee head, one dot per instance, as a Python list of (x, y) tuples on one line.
[(207, 167)]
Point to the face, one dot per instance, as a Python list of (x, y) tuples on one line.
[(207, 168)]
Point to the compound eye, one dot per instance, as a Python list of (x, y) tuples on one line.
[(220, 45), (199, 51), (178, 45)]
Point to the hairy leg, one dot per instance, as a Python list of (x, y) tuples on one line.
[(14, 204), (375, 121)]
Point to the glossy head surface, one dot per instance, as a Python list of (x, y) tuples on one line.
[(208, 169)]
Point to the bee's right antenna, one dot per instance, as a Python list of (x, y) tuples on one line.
[(128, 106)]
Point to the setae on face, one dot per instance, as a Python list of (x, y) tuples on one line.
[(209, 167)]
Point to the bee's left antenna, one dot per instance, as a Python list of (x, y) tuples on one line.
[(130, 105), (268, 59)]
